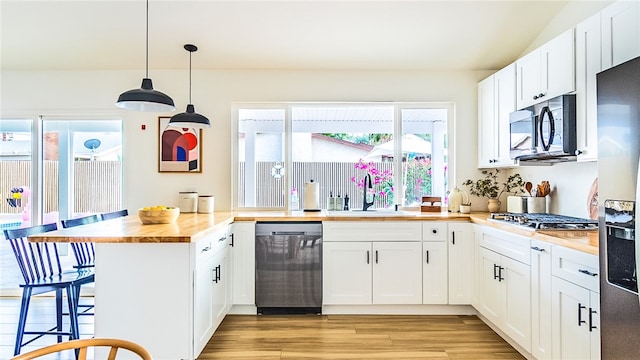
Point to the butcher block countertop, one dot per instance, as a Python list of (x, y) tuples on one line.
[(192, 227)]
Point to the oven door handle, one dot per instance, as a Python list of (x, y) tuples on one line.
[(552, 128), (637, 220)]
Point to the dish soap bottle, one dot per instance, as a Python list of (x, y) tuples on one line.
[(331, 202), (338, 203)]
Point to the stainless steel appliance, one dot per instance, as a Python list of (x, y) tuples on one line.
[(288, 267), (618, 99), (545, 131), (542, 221)]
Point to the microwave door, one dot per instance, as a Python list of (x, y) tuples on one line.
[(546, 127)]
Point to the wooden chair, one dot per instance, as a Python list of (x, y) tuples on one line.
[(83, 251), (42, 272), (81, 347), (114, 214)]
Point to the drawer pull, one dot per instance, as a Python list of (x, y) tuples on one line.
[(222, 239), (206, 249), (587, 272), (591, 327), (538, 249), (580, 321)]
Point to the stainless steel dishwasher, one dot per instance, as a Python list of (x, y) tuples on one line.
[(289, 267)]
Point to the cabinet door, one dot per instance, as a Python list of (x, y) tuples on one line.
[(434, 273), (219, 288), (505, 103), (244, 264), (540, 299), (620, 33), (570, 325), (397, 273), (486, 123), (346, 273), (204, 276), (490, 293), (528, 79), (588, 64), (558, 66), (516, 317), (461, 263), (594, 325)]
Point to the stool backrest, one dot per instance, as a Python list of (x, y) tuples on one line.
[(114, 214), (36, 261)]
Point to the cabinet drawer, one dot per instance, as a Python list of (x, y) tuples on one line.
[(371, 231), (212, 243), (577, 267), (434, 231), (514, 246)]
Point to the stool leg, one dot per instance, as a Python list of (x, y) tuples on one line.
[(22, 320), (59, 312), (73, 313)]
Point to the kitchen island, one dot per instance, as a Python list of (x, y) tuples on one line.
[(166, 286)]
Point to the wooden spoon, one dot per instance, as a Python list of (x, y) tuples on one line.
[(528, 186)]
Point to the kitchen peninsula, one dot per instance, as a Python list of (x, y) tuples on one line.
[(168, 286)]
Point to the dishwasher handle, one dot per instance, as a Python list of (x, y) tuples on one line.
[(288, 233)]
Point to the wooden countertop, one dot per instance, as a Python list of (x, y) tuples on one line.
[(192, 227), (129, 229)]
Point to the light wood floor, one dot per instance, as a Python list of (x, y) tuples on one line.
[(356, 337), (306, 336)]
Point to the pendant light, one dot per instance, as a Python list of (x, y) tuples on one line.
[(189, 118), (145, 98)]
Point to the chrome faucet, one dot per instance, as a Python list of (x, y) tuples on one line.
[(367, 185)]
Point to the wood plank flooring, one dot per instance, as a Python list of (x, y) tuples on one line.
[(306, 336), (356, 337)]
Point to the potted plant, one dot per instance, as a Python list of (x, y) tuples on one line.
[(489, 187)]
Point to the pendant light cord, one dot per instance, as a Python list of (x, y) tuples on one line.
[(147, 42), (190, 77)]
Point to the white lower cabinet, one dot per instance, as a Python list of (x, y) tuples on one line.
[(504, 289), (244, 264), (541, 338), (460, 240), (575, 305), (435, 263), (366, 273), (434, 273), (211, 287)]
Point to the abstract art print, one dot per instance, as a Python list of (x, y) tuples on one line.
[(180, 149)]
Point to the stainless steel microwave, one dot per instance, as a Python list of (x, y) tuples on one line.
[(544, 131)]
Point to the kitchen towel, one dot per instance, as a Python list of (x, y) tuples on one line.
[(312, 195)]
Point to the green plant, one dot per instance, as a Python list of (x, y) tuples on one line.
[(489, 187)]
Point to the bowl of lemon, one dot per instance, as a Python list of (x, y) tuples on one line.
[(158, 214)]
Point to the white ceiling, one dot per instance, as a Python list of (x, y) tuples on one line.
[(290, 35)]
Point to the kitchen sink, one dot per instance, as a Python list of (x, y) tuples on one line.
[(372, 213)]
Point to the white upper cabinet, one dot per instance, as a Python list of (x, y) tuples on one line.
[(496, 100), (588, 64), (546, 72), (620, 33)]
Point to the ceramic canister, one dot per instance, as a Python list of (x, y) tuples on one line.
[(188, 202), (205, 204)]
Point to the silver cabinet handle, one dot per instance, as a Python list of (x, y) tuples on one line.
[(538, 249), (206, 249), (587, 272)]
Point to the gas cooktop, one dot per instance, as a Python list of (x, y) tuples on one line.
[(543, 221)]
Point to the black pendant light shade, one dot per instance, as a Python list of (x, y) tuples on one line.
[(189, 118), (145, 98)]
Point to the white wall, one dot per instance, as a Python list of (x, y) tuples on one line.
[(94, 92)]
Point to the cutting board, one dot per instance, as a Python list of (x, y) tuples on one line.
[(592, 200)]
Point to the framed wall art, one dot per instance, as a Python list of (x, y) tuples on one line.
[(180, 149)]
